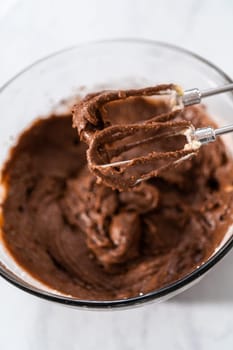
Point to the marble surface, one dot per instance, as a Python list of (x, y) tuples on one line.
[(201, 318)]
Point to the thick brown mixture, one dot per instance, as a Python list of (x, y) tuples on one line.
[(87, 240), (125, 149)]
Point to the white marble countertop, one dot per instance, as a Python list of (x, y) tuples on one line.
[(201, 318)]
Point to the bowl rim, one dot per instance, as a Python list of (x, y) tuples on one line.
[(158, 293)]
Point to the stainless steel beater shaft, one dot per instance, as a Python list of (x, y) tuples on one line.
[(194, 96)]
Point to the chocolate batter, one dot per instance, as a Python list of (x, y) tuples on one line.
[(125, 149), (94, 243)]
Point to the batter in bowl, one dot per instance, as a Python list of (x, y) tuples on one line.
[(90, 241)]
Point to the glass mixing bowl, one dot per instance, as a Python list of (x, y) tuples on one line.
[(109, 64)]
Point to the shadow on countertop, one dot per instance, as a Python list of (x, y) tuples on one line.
[(215, 287)]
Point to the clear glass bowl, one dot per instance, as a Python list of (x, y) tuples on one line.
[(109, 64)]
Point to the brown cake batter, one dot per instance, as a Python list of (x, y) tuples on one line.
[(125, 148), (89, 241)]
